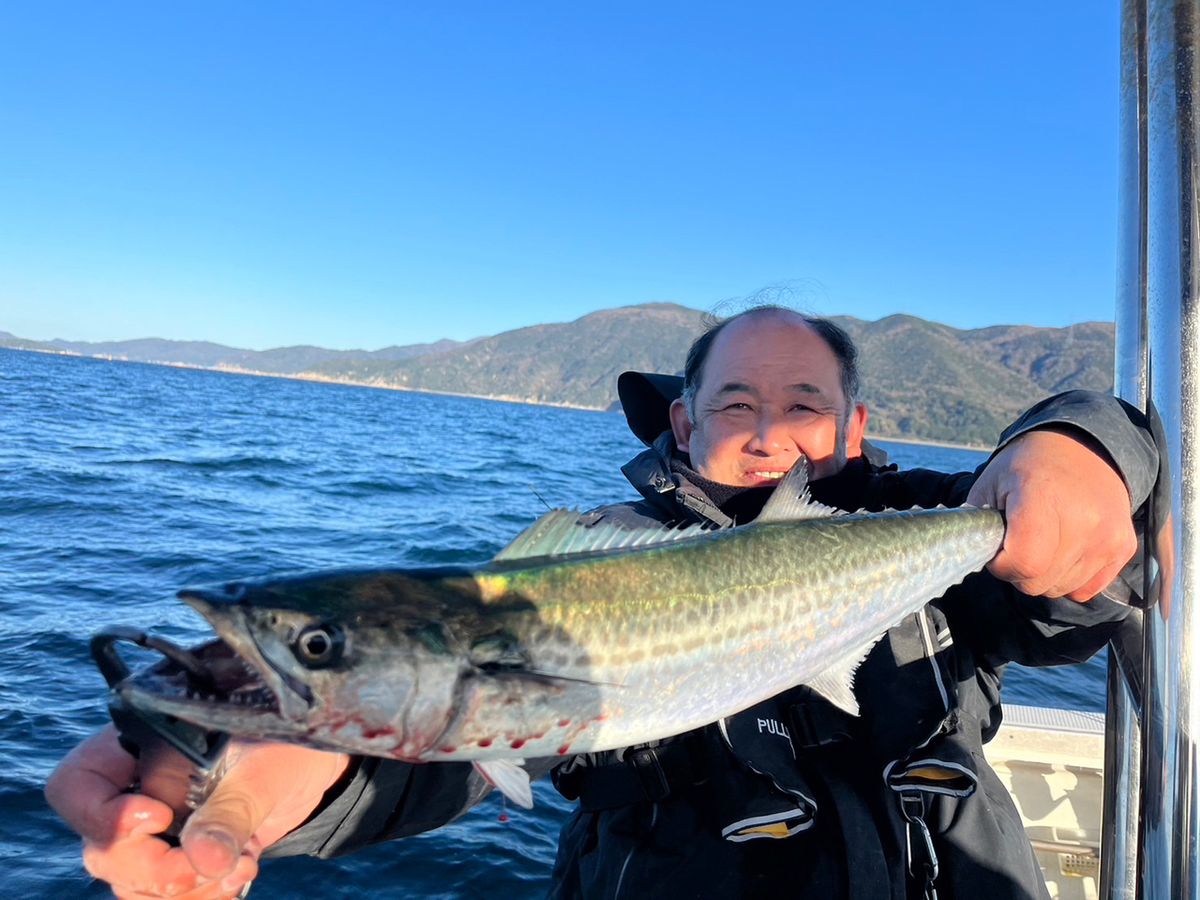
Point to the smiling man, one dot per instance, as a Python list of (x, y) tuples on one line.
[(780, 391), (792, 797)]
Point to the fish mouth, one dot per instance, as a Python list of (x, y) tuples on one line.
[(224, 683), (213, 673)]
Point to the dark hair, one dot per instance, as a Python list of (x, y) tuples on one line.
[(834, 335)]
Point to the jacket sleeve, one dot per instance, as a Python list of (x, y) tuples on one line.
[(997, 621), (379, 799), (1112, 425), (384, 799)]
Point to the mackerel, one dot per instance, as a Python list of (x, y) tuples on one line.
[(580, 636)]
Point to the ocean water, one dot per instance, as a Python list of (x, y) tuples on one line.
[(124, 482)]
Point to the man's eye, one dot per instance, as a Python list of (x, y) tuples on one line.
[(801, 408), (736, 407)]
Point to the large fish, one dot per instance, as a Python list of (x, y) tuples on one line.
[(575, 638)]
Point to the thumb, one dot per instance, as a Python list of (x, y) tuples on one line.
[(987, 491), (218, 833), (266, 791)]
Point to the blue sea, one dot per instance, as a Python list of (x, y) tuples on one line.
[(124, 482)]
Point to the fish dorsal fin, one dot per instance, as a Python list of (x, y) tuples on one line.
[(563, 532), (791, 500)]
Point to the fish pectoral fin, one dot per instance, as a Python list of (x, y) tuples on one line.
[(507, 776), (544, 679), (836, 684), (563, 680)]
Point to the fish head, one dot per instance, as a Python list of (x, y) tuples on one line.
[(318, 661)]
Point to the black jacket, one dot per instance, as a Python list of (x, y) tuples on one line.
[(859, 795)]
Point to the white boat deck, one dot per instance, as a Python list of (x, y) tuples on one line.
[(1052, 762)]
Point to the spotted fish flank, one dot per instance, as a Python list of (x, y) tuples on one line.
[(573, 639)]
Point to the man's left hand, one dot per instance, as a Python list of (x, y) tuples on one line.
[(1070, 530)]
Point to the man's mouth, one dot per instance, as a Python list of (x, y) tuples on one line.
[(766, 476)]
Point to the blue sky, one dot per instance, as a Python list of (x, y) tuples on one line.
[(365, 174)]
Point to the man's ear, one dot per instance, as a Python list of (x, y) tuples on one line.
[(855, 429), (681, 425)]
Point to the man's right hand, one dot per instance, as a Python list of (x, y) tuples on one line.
[(267, 791)]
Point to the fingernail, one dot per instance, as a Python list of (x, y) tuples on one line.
[(233, 884), (223, 838)]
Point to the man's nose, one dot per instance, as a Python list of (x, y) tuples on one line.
[(770, 437)]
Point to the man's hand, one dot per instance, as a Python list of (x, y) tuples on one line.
[(267, 790), (1070, 529)]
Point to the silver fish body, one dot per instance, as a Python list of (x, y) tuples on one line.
[(541, 654)]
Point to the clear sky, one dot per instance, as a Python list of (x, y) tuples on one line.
[(362, 174)]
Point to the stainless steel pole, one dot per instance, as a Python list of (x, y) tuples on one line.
[(1123, 734), (1171, 720), (1122, 781)]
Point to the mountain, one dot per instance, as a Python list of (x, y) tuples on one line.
[(207, 355), (575, 362), (921, 380), (929, 381)]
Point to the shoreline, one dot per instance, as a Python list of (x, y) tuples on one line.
[(928, 442), (320, 379), (317, 379)]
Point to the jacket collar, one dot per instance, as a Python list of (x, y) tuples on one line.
[(669, 492), (676, 498)]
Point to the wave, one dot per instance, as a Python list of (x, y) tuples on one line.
[(234, 463)]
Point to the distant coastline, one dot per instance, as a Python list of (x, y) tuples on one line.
[(323, 379), (920, 442), (301, 376), (925, 383)]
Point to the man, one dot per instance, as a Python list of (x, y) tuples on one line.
[(897, 802)]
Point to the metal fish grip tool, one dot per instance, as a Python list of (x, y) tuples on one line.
[(149, 735)]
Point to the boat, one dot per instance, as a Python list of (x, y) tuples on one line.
[(1052, 762)]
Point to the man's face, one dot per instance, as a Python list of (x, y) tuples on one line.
[(770, 391)]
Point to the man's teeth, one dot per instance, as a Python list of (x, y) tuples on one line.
[(775, 476)]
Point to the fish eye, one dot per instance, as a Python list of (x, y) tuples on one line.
[(318, 646)]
